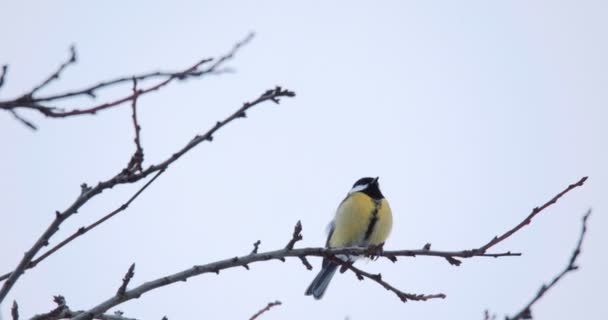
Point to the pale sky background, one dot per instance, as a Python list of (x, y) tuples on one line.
[(471, 113)]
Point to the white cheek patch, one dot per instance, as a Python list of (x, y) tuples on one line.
[(357, 188)]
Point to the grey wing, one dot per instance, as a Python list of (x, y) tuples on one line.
[(330, 230)]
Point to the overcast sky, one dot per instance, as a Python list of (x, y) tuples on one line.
[(471, 112)]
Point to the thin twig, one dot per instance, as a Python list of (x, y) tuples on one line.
[(306, 263), (28, 101), (528, 219), (256, 246), (23, 120), (482, 251), (526, 312), (138, 156), (91, 91), (89, 192), (125, 281), (55, 75), (269, 306), (82, 230), (54, 112), (55, 313), (296, 236), (403, 296), (269, 95)]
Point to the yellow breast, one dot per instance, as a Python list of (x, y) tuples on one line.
[(361, 221)]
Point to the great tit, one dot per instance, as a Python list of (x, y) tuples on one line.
[(363, 218)]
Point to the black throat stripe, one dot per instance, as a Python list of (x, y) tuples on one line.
[(372, 220)]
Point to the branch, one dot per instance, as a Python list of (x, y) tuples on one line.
[(28, 101), (23, 120), (62, 311), (138, 157), (82, 230), (55, 75), (526, 312), (451, 256), (55, 313), (528, 219), (125, 281), (296, 236), (124, 178), (269, 95), (404, 297), (216, 267), (54, 112), (268, 307), (256, 246), (330, 253)]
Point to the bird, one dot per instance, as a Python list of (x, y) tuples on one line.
[(362, 219)]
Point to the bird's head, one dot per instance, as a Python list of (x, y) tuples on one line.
[(369, 186)]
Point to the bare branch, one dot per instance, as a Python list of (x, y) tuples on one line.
[(528, 219), (296, 236), (451, 256), (220, 62), (306, 263), (55, 75), (289, 252), (21, 119), (526, 312), (404, 297), (138, 157), (268, 307), (82, 230), (256, 246), (122, 178), (54, 112), (125, 281), (28, 101), (91, 91), (392, 254), (216, 267), (62, 311), (55, 313)]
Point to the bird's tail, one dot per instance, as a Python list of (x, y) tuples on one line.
[(319, 284)]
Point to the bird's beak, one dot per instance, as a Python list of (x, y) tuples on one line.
[(375, 181)]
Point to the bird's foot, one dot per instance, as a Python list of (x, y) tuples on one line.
[(375, 251)]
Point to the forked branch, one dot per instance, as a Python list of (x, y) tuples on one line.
[(31, 101), (128, 176), (290, 252)]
